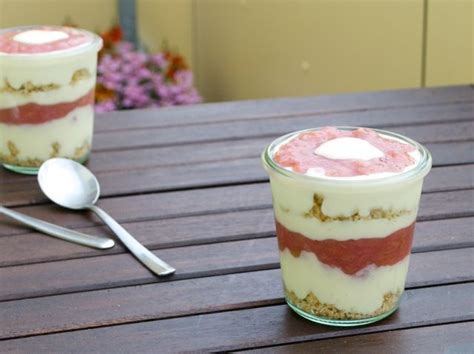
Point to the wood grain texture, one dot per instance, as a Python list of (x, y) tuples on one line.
[(261, 326), (204, 229), (192, 261), (250, 110), (193, 296), (214, 200), (211, 174), (188, 183), (397, 120), (207, 157), (449, 338)]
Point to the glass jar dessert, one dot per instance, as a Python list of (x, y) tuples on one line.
[(345, 201), (47, 82)]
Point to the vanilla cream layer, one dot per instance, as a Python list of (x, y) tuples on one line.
[(363, 294), (59, 71), (34, 141), (68, 93), (293, 199)]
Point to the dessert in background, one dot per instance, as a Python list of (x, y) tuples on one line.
[(47, 81)]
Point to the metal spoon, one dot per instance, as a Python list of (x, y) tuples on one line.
[(58, 231), (73, 186)]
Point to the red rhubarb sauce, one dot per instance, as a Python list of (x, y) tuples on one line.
[(75, 38), (33, 113), (350, 256), (298, 153)]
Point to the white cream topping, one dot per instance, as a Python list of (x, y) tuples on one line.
[(348, 148), (39, 36)]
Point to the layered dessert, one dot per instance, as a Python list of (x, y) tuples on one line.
[(47, 81), (345, 203)]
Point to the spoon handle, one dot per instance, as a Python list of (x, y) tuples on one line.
[(151, 261), (58, 231)]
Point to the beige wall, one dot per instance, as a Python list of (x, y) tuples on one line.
[(242, 49), (166, 20), (450, 42), (265, 48), (95, 15)]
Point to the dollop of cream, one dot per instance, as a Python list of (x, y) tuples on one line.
[(348, 148), (39, 36)]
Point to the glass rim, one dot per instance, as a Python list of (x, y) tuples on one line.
[(95, 44), (419, 171)]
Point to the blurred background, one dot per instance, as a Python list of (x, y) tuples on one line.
[(246, 49)]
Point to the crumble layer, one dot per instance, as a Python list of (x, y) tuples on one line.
[(313, 306), (374, 213), (80, 154)]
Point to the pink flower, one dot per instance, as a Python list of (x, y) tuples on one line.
[(138, 80), (105, 106)]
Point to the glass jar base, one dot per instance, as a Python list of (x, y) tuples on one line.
[(34, 170), (21, 169), (340, 323)]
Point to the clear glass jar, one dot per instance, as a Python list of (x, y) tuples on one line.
[(46, 95), (345, 243)]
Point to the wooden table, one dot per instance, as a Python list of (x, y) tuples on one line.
[(188, 183)]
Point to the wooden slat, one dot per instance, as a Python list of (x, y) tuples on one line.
[(398, 120), (218, 301), (122, 269), (211, 174), (250, 110), (231, 150), (222, 152), (449, 338), (179, 298), (147, 158), (195, 230), (23, 191), (214, 200), (241, 329)]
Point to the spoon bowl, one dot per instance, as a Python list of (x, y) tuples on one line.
[(68, 183), (73, 186)]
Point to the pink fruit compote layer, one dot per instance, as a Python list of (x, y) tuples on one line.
[(46, 93)]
